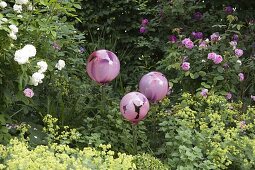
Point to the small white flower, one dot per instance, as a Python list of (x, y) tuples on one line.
[(21, 57), (3, 4), (21, 2), (19, 16), (17, 8), (30, 7), (13, 36), (43, 66), (4, 19), (207, 40), (30, 50), (14, 29), (203, 61), (36, 78), (233, 44), (239, 62), (60, 65)]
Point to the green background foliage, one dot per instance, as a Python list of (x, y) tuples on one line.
[(70, 112)]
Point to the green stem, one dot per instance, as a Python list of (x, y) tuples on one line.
[(134, 128), (17, 112)]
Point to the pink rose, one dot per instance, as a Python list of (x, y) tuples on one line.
[(185, 66), (215, 37), (238, 52), (218, 59), (211, 56), (203, 44), (28, 92), (188, 43)]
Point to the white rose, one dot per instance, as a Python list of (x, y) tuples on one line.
[(3, 4), (17, 8), (43, 66), (36, 78), (14, 28), (60, 65), (13, 36), (30, 50), (21, 2), (4, 19), (21, 57)]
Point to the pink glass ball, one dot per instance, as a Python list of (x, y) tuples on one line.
[(103, 66), (134, 107), (154, 86)]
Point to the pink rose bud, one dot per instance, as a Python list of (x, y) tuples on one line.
[(28, 92), (253, 97), (185, 66), (145, 22), (228, 96), (241, 76), (154, 86), (143, 30), (204, 92), (103, 66), (134, 107)]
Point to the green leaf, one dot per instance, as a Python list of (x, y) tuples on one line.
[(205, 85), (192, 76), (219, 78), (77, 6), (220, 69), (187, 73), (202, 73)]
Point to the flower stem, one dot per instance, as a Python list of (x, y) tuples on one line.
[(134, 129)]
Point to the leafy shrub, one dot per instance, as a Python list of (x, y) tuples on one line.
[(146, 161), (48, 26), (208, 133)]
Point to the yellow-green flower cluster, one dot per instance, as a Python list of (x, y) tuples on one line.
[(17, 155)]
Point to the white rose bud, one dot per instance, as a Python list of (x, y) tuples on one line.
[(43, 66)]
